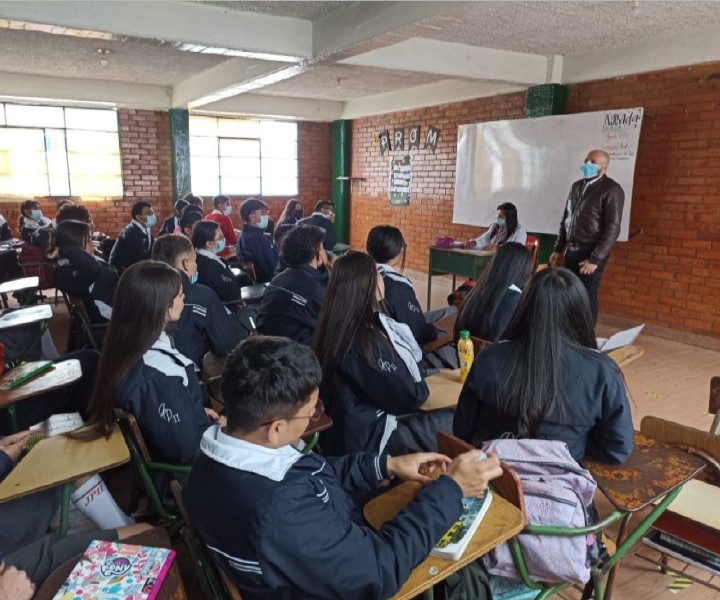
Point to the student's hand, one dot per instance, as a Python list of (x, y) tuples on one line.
[(15, 585), (13, 445), (212, 415), (473, 474), (416, 467), (586, 267), (331, 258), (555, 259), (470, 244)]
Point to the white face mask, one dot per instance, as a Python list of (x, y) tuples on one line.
[(228, 210), (263, 222)]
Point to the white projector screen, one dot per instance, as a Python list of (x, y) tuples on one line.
[(533, 162)]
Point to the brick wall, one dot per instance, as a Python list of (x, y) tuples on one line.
[(667, 276)]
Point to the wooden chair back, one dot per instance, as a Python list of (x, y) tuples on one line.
[(212, 367), (479, 344), (508, 485), (714, 403), (532, 243), (128, 419)]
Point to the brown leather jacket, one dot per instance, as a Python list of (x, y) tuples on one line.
[(593, 217)]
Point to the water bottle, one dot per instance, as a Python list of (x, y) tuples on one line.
[(466, 354)]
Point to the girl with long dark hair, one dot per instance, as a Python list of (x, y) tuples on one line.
[(292, 212), (141, 372), (505, 229), (548, 379), (488, 308), (370, 368)]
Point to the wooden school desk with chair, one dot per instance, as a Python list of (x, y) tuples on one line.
[(61, 460), (59, 375), (447, 325), (17, 285), (445, 388), (455, 261)]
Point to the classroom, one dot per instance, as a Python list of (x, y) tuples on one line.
[(359, 299)]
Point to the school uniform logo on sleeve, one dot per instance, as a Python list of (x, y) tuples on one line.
[(167, 414), (412, 307), (387, 366)]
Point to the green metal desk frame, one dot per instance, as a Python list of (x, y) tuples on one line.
[(455, 261)]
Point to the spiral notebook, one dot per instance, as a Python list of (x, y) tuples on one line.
[(114, 571)]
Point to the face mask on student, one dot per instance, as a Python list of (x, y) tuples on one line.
[(263, 223), (220, 247), (151, 221), (194, 278), (589, 170), (228, 210), (500, 221), (36, 214)]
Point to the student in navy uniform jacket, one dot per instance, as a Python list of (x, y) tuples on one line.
[(34, 228), (141, 372), (489, 307), (548, 380), (81, 274), (324, 218), (203, 317), (171, 223), (252, 244), (283, 523), (373, 384), (135, 241), (278, 239), (213, 271), (291, 303)]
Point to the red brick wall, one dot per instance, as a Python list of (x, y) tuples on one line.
[(667, 276), (433, 180)]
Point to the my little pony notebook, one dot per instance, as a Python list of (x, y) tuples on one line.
[(114, 571)]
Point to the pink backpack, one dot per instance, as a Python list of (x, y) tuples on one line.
[(557, 492), (443, 241)]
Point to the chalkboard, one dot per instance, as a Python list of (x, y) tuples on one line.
[(400, 179), (533, 162)]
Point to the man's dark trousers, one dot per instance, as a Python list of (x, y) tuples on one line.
[(573, 257)]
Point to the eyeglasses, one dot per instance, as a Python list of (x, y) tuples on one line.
[(314, 417)]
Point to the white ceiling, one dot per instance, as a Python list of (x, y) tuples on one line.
[(325, 60)]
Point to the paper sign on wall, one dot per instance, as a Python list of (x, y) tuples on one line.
[(400, 178)]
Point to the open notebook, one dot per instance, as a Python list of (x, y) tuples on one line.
[(620, 339)]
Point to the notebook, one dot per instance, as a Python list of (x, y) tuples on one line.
[(114, 571), (21, 374), (620, 339), (455, 541), (58, 424)]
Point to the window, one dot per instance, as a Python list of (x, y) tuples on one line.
[(243, 157), (57, 151)]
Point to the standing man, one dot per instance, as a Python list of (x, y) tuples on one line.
[(324, 218), (135, 241), (590, 224)]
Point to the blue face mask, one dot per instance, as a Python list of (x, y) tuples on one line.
[(151, 221), (194, 278), (36, 214), (264, 220), (589, 170), (500, 221), (220, 247)]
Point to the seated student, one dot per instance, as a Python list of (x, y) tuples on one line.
[(173, 220), (324, 218), (5, 233), (278, 238), (252, 244), (491, 304), (283, 524), (292, 301), (81, 274), (9, 267), (73, 212), (222, 216), (27, 519), (370, 367), (548, 379), (213, 271), (203, 317), (187, 222), (135, 241), (142, 372), (292, 212), (505, 229), (34, 228)]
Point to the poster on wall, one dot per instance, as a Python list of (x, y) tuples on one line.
[(400, 177)]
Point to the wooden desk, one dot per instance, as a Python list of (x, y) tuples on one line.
[(446, 324), (25, 316), (16, 285), (625, 355), (456, 261), (502, 522), (62, 374), (172, 587), (445, 388), (313, 431), (252, 293), (60, 460)]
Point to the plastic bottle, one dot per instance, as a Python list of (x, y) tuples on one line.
[(466, 354)]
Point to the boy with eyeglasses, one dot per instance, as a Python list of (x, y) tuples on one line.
[(284, 524)]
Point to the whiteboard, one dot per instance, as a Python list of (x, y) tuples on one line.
[(533, 162)]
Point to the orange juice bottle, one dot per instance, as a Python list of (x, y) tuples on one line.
[(466, 354)]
